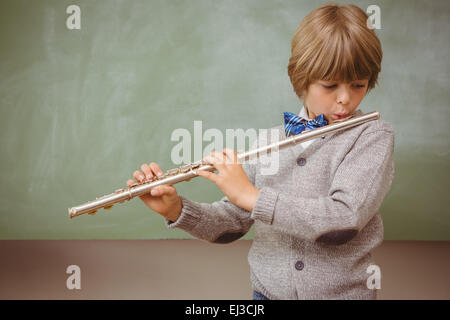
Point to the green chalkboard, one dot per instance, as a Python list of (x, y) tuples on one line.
[(81, 109)]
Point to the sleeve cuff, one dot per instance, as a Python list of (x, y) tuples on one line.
[(265, 205), (188, 218)]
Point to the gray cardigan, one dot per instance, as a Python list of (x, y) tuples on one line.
[(316, 220)]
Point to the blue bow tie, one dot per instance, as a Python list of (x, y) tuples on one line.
[(293, 124)]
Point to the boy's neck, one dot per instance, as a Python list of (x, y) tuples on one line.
[(309, 113)]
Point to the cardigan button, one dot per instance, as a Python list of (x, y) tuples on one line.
[(301, 161), (299, 265)]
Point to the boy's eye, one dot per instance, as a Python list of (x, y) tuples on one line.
[(332, 86)]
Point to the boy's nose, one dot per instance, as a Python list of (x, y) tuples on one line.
[(343, 96)]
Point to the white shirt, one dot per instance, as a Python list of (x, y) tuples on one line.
[(304, 114)]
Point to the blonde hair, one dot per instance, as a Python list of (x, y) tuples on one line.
[(334, 43)]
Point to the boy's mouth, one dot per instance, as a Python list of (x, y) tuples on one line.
[(340, 116)]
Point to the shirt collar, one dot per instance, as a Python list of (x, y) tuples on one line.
[(303, 113)]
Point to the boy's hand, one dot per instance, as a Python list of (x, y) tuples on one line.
[(231, 179), (162, 199)]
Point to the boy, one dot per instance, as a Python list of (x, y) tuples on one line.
[(316, 220)]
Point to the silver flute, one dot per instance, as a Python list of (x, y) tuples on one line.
[(186, 172)]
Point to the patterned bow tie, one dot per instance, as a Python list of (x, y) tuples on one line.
[(293, 124)]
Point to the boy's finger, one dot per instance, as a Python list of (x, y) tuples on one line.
[(219, 160), (130, 183), (163, 190), (206, 174), (220, 156), (138, 176), (217, 163), (224, 159), (147, 171), (156, 169), (231, 155)]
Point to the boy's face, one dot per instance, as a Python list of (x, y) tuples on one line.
[(336, 100)]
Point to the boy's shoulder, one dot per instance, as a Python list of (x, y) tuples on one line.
[(380, 126), (373, 126), (377, 126)]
